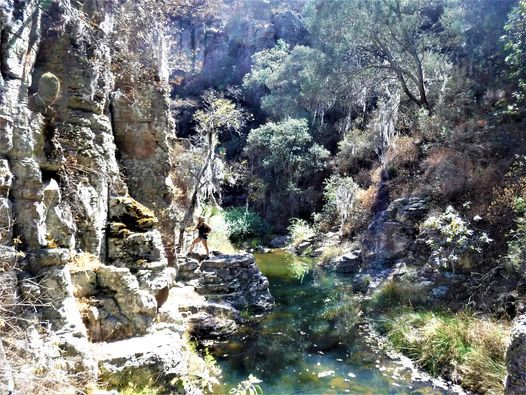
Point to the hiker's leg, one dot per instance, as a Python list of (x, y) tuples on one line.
[(205, 243), (193, 244)]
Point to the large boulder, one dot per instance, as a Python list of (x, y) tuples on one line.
[(122, 309), (391, 235), (235, 279), (516, 358), (217, 290)]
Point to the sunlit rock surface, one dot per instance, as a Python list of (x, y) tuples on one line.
[(223, 287)]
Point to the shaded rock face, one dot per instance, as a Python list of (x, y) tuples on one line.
[(220, 52), (516, 358), (228, 285), (391, 235)]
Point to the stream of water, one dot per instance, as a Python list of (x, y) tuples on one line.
[(312, 342)]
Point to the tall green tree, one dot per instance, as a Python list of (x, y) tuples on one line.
[(284, 155), (393, 38), (515, 46)]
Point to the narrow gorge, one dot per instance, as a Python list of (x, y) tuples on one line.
[(361, 164)]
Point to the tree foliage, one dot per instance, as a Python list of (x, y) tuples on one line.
[(284, 155), (398, 39), (515, 45)]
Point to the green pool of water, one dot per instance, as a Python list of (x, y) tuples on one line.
[(311, 343)]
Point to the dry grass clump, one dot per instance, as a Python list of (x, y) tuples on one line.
[(398, 293), (461, 347), (403, 151), (30, 358), (367, 197), (448, 172)]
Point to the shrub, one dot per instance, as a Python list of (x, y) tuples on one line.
[(448, 172), (300, 230), (403, 151), (244, 223), (452, 239), (355, 147), (250, 386), (367, 197), (340, 197)]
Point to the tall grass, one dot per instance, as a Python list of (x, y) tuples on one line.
[(460, 346), (398, 293)]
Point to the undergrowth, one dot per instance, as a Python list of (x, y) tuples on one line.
[(300, 230), (461, 347), (398, 293)]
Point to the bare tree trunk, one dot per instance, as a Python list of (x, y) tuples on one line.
[(194, 200)]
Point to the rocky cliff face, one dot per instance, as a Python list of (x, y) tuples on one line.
[(218, 50), (88, 209)]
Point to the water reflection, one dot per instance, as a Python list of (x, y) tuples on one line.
[(312, 342)]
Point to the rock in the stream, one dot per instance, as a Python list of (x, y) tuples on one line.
[(280, 242), (235, 279), (516, 358), (348, 263), (218, 289)]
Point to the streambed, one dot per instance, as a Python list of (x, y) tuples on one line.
[(313, 342)]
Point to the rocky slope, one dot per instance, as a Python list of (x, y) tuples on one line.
[(396, 250)]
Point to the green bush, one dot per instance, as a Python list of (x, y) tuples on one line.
[(300, 230), (244, 223)]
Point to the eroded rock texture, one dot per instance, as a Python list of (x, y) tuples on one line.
[(94, 259), (516, 358), (221, 286), (391, 235)]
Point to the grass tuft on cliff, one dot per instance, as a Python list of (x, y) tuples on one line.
[(458, 346)]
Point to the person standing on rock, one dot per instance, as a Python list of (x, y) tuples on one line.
[(204, 230)]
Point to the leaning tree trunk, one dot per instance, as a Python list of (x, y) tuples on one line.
[(202, 179)]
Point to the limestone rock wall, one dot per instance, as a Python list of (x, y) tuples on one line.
[(73, 155)]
